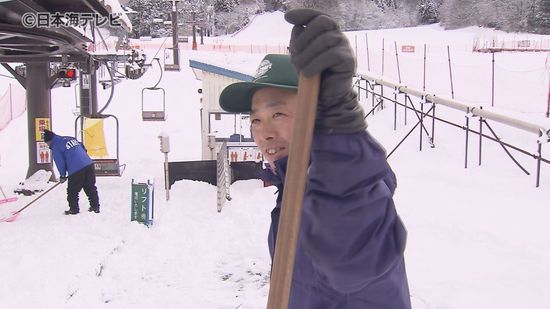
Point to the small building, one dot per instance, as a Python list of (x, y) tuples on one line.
[(229, 153), (217, 125)]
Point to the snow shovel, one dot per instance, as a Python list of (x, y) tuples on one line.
[(15, 214), (6, 199), (293, 195)]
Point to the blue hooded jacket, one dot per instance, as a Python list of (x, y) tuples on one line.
[(351, 242), (69, 155)]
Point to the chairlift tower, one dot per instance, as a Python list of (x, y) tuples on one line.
[(194, 46), (176, 65), (51, 54), (88, 93)]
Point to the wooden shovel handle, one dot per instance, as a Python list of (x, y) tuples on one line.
[(293, 193), (41, 195)]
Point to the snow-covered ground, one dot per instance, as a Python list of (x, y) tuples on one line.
[(478, 237)]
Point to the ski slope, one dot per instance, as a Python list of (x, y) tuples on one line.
[(478, 237)]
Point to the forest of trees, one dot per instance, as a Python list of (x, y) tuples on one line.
[(227, 16)]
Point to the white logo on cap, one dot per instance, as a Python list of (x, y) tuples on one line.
[(265, 65)]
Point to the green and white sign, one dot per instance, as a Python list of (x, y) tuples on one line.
[(142, 202)]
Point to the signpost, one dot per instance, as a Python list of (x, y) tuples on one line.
[(165, 148), (142, 202)]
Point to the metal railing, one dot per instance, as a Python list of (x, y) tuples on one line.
[(375, 86)]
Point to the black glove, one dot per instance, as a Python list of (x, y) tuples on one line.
[(318, 46), (62, 179)]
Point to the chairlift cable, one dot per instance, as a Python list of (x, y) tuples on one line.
[(158, 50), (102, 39), (7, 76)]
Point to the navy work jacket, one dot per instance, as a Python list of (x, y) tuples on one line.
[(351, 242)]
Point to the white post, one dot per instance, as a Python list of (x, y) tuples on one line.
[(212, 146), (165, 148), (166, 177)]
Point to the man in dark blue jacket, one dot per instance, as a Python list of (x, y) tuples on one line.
[(351, 241), (73, 162)]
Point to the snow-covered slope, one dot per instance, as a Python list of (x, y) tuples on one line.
[(478, 237)]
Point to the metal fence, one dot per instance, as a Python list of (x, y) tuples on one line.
[(403, 97)]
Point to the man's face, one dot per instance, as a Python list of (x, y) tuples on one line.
[(272, 118)]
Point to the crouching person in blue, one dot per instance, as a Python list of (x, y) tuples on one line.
[(351, 240), (74, 164)]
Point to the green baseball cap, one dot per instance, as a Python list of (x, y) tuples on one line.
[(274, 71)]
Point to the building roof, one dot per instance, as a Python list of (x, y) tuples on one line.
[(21, 44), (219, 70)]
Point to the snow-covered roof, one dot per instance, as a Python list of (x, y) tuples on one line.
[(219, 70)]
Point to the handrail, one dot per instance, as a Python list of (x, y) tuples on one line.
[(455, 104)]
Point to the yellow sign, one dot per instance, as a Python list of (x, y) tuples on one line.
[(94, 138), (41, 124)]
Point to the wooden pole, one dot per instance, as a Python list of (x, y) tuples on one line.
[(424, 75), (450, 72), (293, 194), (368, 59), (493, 80), (356, 59), (548, 106), (397, 60), (382, 57)]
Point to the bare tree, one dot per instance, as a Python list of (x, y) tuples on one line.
[(275, 5)]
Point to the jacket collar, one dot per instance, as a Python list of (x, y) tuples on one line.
[(277, 179), (54, 140)]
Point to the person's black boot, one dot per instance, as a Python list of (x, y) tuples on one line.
[(94, 209), (71, 212)]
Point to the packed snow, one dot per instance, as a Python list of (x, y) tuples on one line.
[(477, 236)]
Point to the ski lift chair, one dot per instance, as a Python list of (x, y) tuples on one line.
[(154, 114), (103, 166)]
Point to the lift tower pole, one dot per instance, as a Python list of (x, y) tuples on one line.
[(175, 48)]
